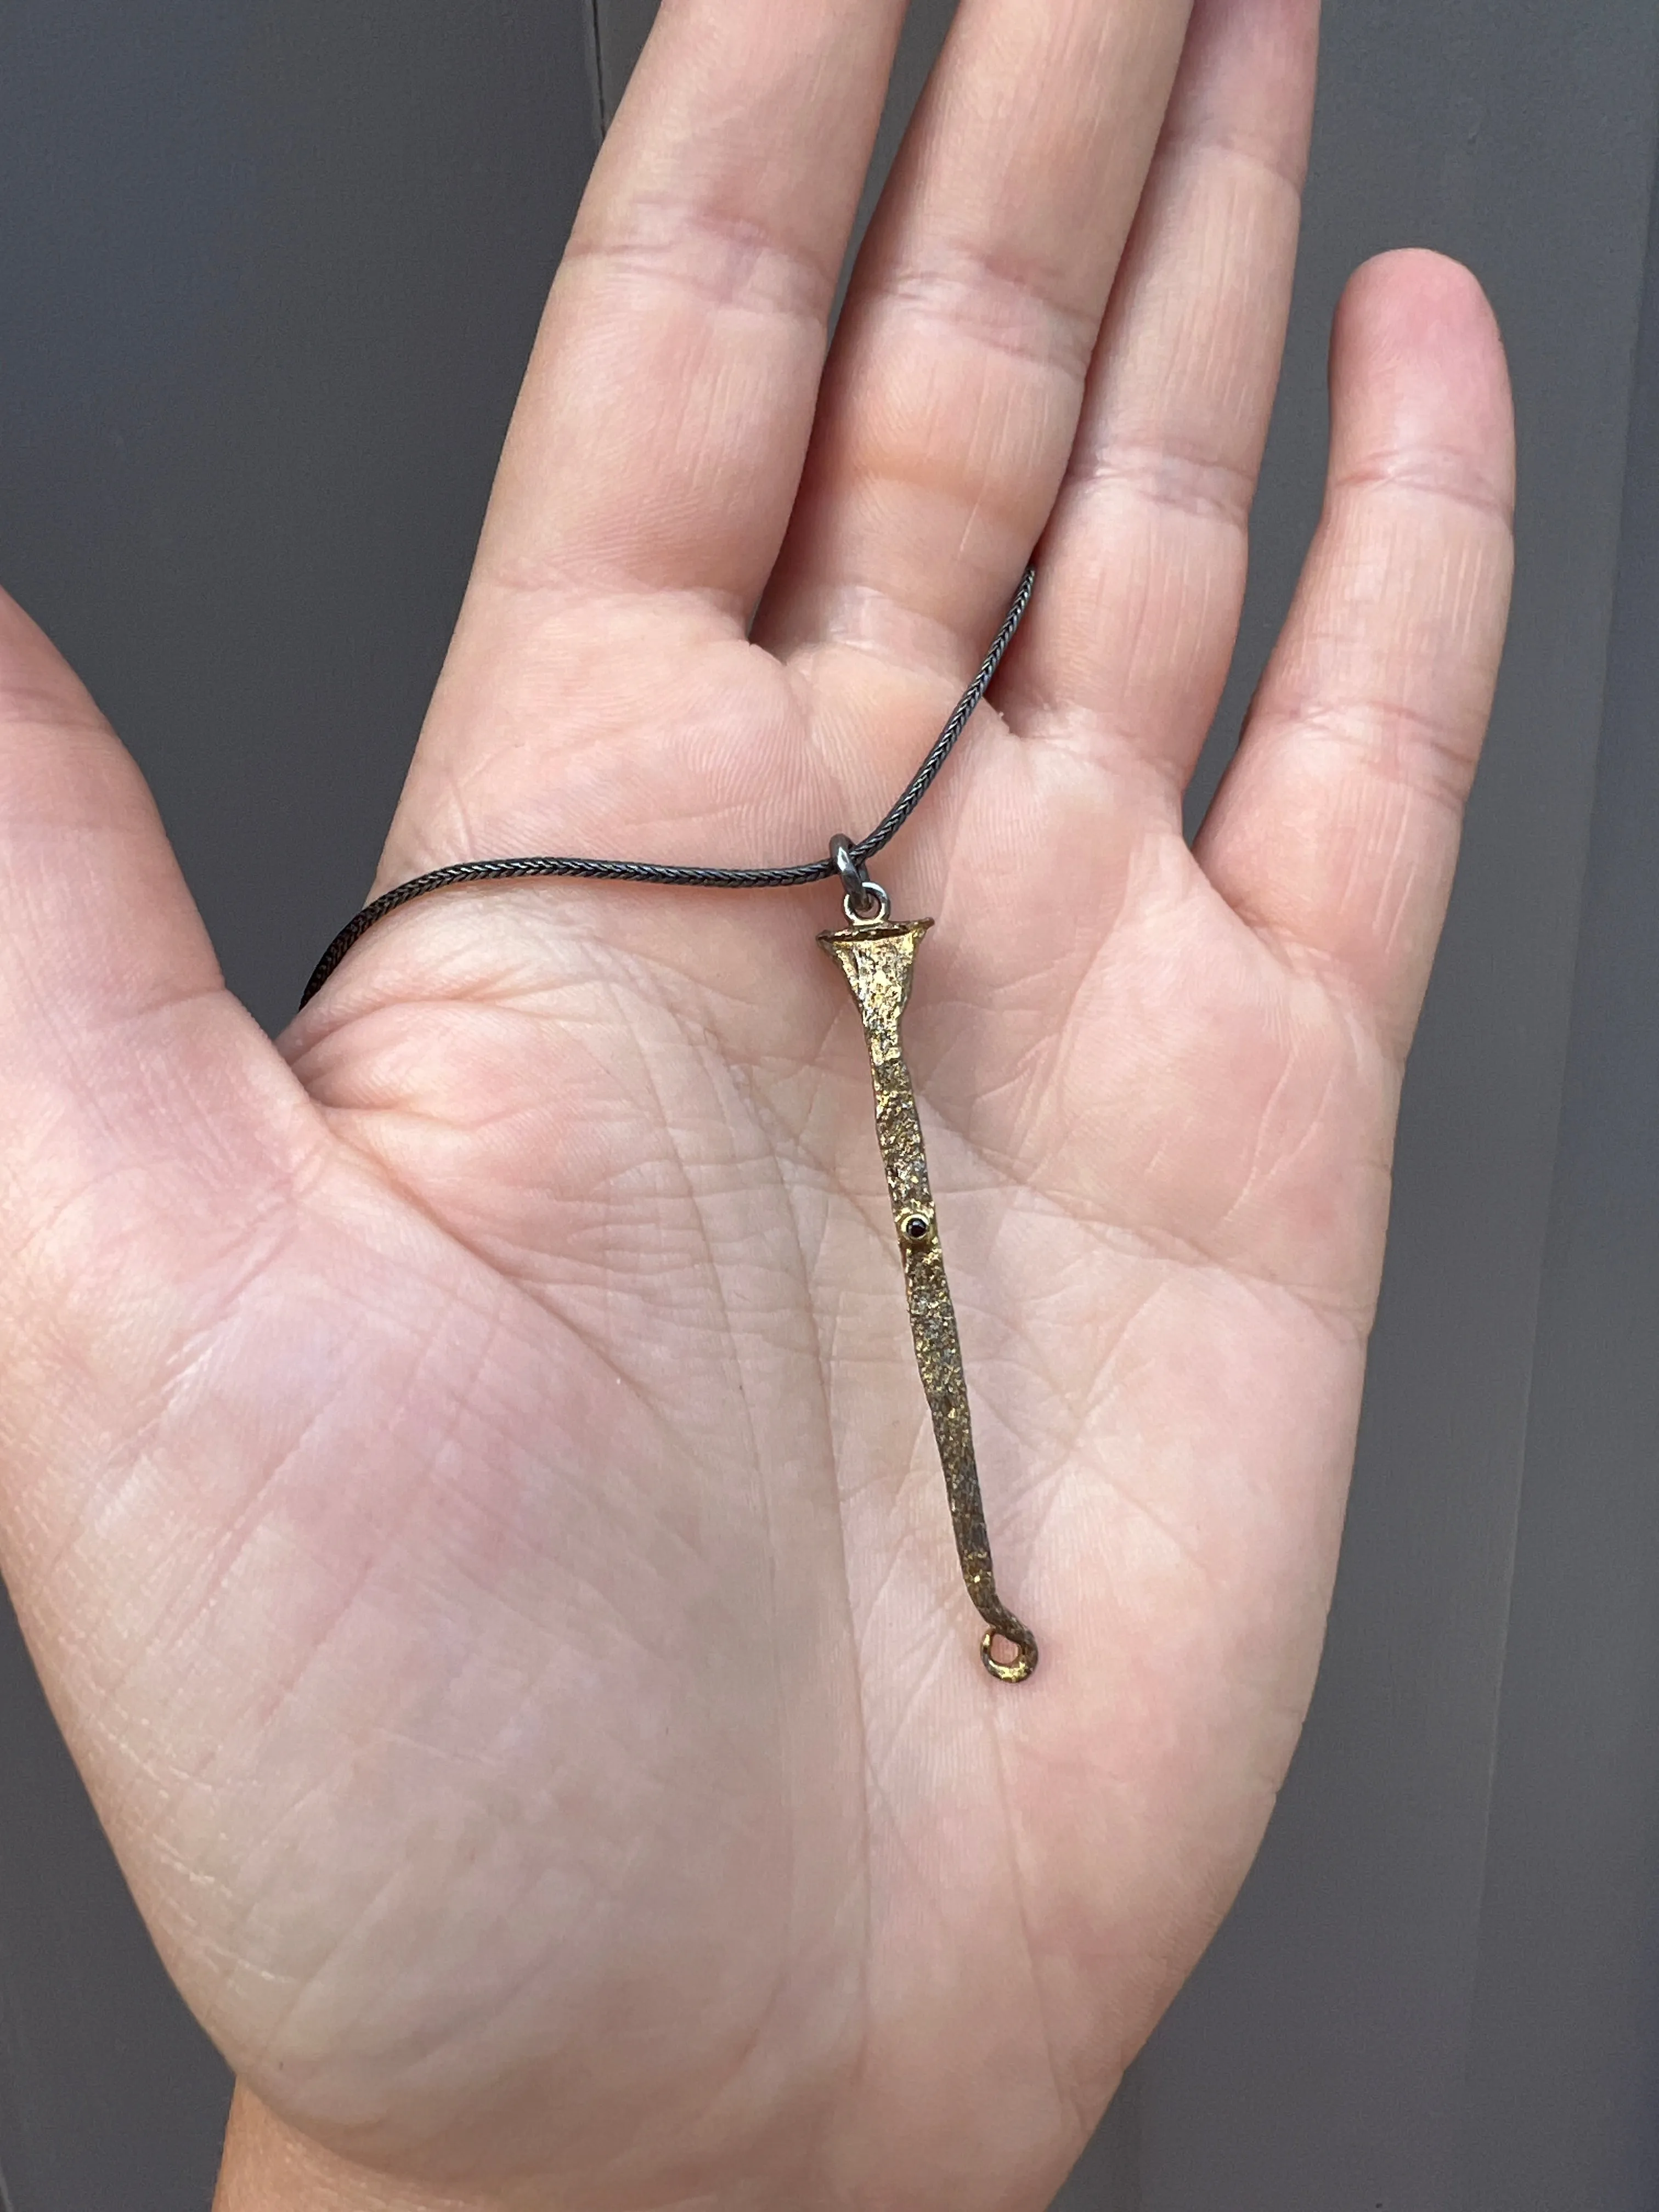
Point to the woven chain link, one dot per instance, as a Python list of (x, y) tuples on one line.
[(684, 879)]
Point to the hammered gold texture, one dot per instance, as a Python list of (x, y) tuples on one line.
[(878, 961)]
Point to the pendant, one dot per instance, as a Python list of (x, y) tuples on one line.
[(878, 958)]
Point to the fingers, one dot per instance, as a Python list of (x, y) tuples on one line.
[(1335, 832), (953, 394), (659, 436), (1144, 562)]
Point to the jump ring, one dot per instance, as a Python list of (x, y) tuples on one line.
[(866, 902), (868, 906)]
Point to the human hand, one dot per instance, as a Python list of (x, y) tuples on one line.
[(466, 1479)]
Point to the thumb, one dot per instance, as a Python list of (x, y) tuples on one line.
[(96, 926), (149, 1132)]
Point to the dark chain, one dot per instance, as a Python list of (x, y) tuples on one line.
[(717, 880)]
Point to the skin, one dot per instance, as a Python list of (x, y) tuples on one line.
[(466, 1482)]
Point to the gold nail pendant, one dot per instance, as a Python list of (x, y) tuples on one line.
[(878, 958)]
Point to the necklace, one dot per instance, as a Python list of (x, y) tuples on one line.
[(877, 956)]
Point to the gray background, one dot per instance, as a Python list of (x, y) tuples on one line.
[(271, 270)]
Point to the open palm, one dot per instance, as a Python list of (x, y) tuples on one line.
[(465, 1477)]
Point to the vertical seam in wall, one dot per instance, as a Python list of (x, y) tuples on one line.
[(1638, 331), (601, 101)]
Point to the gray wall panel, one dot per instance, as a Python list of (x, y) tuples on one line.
[(1563, 2107)]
